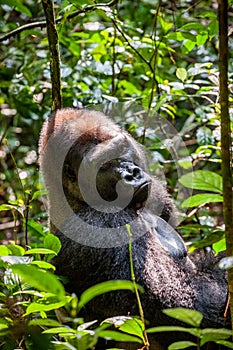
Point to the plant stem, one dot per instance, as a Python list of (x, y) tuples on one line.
[(226, 137), (141, 313)]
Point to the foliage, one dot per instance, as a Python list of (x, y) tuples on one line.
[(32, 299), (193, 318), (159, 55)]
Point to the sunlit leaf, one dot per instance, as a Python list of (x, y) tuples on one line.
[(202, 180), (39, 307), (60, 330), (39, 279), (225, 343), (39, 251), (192, 317), (194, 331), (220, 246), (204, 136), (18, 5), (104, 287), (4, 326), (35, 228), (193, 26), (118, 336), (181, 74), (52, 242), (215, 334), (43, 265), (201, 199), (4, 250), (181, 345), (126, 324)]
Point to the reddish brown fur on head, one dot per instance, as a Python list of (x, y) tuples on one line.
[(73, 124)]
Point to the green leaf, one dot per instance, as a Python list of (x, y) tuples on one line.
[(118, 336), (204, 136), (129, 87), (39, 251), (185, 163), (133, 326), (194, 331), (52, 242), (225, 343), (19, 208), (4, 326), (181, 74), (43, 265), (39, 279), (60, 330), (4, 207), (104, 287), (41, 307), (201, 39), (35, 228), (202, 180), (193, 26), (44, 322), (188, 46), (192, 317), (181, 345), (180, 36), (18, 5), (39, 193), (220, 246), (200, 199), (213, 28), (166, 26), (127, 324), (215, 334), (4, 250), (16, 250)]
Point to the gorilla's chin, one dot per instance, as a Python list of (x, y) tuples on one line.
[(140, 196)]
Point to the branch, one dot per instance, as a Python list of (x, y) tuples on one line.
[(28, 26), (55, 70), (42, 24)]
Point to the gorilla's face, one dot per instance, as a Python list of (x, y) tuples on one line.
[(115, 179), (111, 173), (119, 177)]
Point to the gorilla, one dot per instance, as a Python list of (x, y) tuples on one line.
[(98, 181)]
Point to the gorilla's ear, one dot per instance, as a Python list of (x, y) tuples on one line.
[(170, 240)]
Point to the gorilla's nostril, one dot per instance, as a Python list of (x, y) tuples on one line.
[(128, 177), (137, 173)]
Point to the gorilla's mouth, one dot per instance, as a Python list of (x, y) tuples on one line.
[(141, 194)]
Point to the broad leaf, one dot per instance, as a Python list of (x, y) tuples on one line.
[(118, 336), (192, 317), (194, 331), (104, 287), (201, 199), (202, 180), (39, 279), (181, 74), (181, 345), (215, 334)]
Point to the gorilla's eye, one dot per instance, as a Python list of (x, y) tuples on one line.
[(68, 171), (106, 166)]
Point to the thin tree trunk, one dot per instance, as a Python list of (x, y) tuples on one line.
[(226, 137), (54, 54)]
